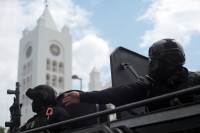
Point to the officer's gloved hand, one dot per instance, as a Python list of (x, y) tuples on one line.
[(71, 98)]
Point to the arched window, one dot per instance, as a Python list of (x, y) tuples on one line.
[(31, 66), (54, 81), (61, 85), (54, 66), (24, 70), (27, 83), (24, 84), (48, 80), (61, 67), (23, 98), (48, 64), (28, 67)]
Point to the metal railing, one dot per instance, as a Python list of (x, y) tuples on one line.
[(121, 108)]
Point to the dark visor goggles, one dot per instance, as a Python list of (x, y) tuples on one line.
[(173, 56)]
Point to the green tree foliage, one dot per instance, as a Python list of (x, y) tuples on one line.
[(2, 129)]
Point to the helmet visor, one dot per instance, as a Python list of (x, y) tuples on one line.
[(173, 56)]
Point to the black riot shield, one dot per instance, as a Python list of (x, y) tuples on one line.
[(126, 67)]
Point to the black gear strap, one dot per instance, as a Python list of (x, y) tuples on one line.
[(147, 84), (144, 82), (191, 79)]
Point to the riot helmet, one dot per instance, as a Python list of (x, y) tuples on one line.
[(42, 96), (166, 58)]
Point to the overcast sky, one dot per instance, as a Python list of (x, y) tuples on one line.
[(97, 28)]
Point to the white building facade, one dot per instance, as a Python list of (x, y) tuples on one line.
[(45, 57)]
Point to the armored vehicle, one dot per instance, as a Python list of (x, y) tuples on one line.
[(126, 67)]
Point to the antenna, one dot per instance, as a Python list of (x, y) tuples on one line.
[(46, 2)]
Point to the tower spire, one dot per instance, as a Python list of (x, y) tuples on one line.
[(46, 2), (49, 22), (95, 83)]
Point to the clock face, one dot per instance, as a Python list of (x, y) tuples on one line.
[(55, 50), (28, 51)]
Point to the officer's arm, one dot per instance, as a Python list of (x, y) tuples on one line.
[(115, 95)]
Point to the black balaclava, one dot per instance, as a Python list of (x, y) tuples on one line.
[(158, 70), (38, 105)]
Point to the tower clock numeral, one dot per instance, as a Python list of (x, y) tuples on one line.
[(54, 49)]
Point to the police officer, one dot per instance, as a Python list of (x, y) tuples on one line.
[(43, 104), (165, 74)]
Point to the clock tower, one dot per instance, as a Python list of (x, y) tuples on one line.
[(45, 57)]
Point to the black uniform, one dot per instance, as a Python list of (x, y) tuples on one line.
[(136, 92), (41, 119), (43, 104)]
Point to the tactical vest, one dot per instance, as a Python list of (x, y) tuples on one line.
[(37, 121), (193, 80)]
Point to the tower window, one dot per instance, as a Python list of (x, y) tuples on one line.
[(24, 70), (48, 64), (61, 84), (31, 66), (61, 68), (24, 84), (27, 83), (28, 67), (48, 81), (54, 66), (30, 81), (54, 81)]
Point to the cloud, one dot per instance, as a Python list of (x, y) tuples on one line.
[(90, 52), (89, 49), (77, 18), (95, 2), (171, 19), (198, 52)]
